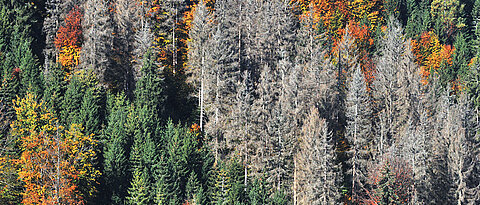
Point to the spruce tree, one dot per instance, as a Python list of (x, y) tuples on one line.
[(116, 151), (139, 191), (98, 45), (389, 83), (316, 175), (199, 69), (359, 131)]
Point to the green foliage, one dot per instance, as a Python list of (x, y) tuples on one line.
[(258, 193), (55, 86), (117, 142), (461, 56), (139, 192), (74, 108)]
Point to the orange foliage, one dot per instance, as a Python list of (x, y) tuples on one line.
[(430, 54), (52, 159), (361, 17), (69, 40)]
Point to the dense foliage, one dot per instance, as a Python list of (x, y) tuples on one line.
[(239, 102)]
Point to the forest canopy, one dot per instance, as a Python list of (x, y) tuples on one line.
[(239, 102)]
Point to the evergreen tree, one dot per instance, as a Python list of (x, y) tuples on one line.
[(55, 86), (116, 151), (258, 193), (476, 27), (461, 57), (139, 192)]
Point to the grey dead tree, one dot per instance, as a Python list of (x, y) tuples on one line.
[(317, 175), (415, 143), (224, 59), (388, 85), (438, 163), (358, 131), (98, 29), (143, 43), (277, 91), (312, 77), (50, 28), (198, 67), (129, 29), (239, 129), (463, 152)]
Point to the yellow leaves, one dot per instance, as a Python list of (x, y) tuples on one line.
[(431, 54), (53, 159), (70, 57)]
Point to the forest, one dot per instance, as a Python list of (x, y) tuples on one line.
[(261, 102)]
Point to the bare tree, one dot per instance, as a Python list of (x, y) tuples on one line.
[(98, 29), (358, 131), (198, 72), (389, 85), (317, 174)]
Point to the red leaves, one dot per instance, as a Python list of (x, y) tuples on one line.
[(71, 33), (430, 54), (69, 40)]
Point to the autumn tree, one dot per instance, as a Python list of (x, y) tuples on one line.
[(389, 181), (69, 39), (53, 159)]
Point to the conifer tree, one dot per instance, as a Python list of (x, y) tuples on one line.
[(117, 141), (316, 175), (476, 26), (359, 131), (199, 69), (388, 85), (139, 192), (98, 29)]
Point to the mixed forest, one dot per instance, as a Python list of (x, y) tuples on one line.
[(239, 102)]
